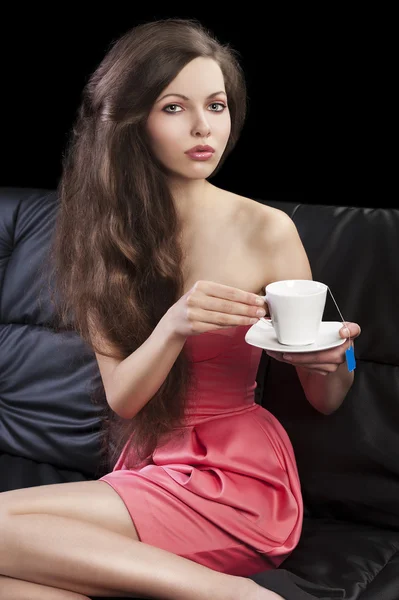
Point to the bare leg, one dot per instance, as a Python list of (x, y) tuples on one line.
[(15, 589), (84, 558)]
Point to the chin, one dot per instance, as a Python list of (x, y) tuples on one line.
[(201, 171), (203, 168)]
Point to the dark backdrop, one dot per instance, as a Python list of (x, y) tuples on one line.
[(293, 146)]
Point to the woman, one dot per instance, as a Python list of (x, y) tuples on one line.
[(162, 273)]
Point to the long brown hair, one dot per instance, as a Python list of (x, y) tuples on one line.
[(115, 252)]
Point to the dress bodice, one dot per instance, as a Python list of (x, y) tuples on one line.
[(224, 370)]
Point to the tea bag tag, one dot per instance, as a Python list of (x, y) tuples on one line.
[(350, 359), (349, 352)]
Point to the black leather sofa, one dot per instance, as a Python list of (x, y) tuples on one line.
[(348, 461)]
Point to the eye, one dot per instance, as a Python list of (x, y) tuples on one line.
[(219, 106), (172, 107)]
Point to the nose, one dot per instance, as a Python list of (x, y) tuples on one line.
[(201, 127)]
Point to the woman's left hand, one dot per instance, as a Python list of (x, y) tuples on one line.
[(323, 362)]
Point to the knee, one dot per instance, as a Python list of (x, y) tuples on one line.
[(5, 532), (5, 518), (5, 506)]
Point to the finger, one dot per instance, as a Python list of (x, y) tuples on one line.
[(210, 303), (316, 358), (351, 330), (203, 327), (276, 355), (324, 373), (320, 368), (195, 315), (336, 355), (219, 290)]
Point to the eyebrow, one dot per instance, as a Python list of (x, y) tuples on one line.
[(185, 97)]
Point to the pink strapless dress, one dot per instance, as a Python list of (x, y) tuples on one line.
[(226, 493)]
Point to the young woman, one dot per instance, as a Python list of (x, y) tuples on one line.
[(162, 273)]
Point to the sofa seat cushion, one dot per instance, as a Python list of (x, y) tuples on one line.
[(360, 559), (19, 472)]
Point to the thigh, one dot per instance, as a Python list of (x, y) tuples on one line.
[(93, 502)]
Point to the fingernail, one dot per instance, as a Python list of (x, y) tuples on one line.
[(261, 312), (260, 301), (346, 331)]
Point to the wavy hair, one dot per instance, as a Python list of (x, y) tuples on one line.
[(115, 252)]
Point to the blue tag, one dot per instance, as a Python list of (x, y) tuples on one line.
[(350, 359)]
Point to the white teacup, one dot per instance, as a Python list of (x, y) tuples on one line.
[(296, 308)]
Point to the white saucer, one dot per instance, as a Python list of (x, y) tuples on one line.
[(262, 335)]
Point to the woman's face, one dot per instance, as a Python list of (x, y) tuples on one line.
[(191, 111)]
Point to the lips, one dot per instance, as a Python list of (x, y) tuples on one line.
[(200, 149), (200, 153)]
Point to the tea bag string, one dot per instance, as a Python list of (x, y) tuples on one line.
[(340, 314)]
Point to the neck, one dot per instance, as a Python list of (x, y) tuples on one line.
[(190, 197)]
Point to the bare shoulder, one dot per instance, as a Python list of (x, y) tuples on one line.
[(277, 241), (268, 225), (268, 235), (275, 225)]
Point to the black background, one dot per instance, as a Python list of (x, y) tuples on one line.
[(303, 136)]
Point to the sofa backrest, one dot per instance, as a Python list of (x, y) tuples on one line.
[(45, 377), (348, 461)]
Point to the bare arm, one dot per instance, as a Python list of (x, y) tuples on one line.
[(130, 383), (327, 391), (135, 380)]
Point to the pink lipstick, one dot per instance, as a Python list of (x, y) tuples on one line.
[(200, 152)]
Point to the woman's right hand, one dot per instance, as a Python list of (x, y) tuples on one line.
[(208, 306)]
